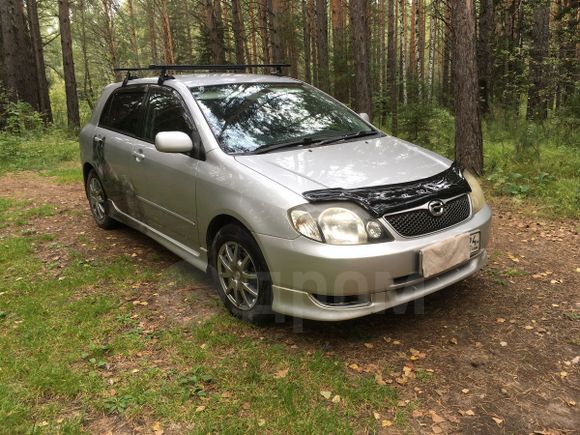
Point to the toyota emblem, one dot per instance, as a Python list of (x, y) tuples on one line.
[(436, 208)]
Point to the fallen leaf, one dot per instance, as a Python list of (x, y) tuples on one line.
[(500, 320), (497, 420), (528, 327), (470, 413), (376, 415), (417, 413), (354, 367), (401, 381), (396, 342), (200, 408), (386, 423), (453, 340), (572, 402), (436, 429), (369, 345), (379, 379), (503, 343), (436, 418), (336, 399), (281, 373), (261, 422), (156, 427), (326, 394), (465, 390)]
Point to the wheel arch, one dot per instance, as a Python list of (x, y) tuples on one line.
[(87, 168), (217, 223)]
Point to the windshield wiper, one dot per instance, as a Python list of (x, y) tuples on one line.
[(356, 135), (312, 141), (294, 143)]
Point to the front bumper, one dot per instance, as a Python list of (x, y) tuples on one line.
[(374, 277)]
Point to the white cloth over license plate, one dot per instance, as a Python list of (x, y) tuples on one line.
[(444, 255)]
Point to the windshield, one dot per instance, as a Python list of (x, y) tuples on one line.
[(248, 116)]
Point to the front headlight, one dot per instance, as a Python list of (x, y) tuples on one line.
[(477, 197), (337, 224)]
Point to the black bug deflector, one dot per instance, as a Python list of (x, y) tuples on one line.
[(380, 200)]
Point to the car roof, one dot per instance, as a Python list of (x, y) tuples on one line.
[(209, 79)]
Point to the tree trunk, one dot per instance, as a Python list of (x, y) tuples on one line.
[(468, 139), (421, 42), (238, 28), (214, 29), (276, 31), (537, 98), (306, 33), (359, 22), (166, 28), (36, 39), (263, 11), (87, 82), (484, 53), (254, 45), (392, 65), (339, 55), (132, 31), (108, 32), (433, 26), (446, 67), (18, 56), (322, 44), (152, 33), (70, 81), (413, 42), (403, 51)]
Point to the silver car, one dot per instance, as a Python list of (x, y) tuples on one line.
[(291, 201)]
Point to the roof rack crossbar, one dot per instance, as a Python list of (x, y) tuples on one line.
[(163, 69)]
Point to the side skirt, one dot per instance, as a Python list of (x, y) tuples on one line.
[(194, 258)]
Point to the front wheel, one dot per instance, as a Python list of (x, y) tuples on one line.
[(241, 275)]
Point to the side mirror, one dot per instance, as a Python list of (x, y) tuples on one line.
[(173, 142), (365, 117)]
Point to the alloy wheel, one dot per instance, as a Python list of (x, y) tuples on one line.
[(237, 275)]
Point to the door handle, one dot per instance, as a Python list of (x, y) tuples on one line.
[(98, 140), (138, 154)]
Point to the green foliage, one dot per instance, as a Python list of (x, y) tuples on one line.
[(539, 162), (18, 117), (39, 150)]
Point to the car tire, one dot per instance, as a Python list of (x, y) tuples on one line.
[(241, 275), (98, 202)]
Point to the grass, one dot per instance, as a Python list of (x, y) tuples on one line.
[(70, 354), (37, 150)]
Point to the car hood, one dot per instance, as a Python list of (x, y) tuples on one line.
[(365, 163)]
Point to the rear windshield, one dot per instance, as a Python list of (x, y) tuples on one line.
[(246, 116)]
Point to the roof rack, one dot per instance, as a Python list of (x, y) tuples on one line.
[(163, 69)]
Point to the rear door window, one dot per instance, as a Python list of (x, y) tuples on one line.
[(124, 110), (166, 111)]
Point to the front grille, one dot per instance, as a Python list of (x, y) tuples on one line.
[(418, 222)]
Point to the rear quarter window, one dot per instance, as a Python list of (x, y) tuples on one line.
[(123, 111)]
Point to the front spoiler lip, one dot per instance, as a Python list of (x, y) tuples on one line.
[(302, 304)]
